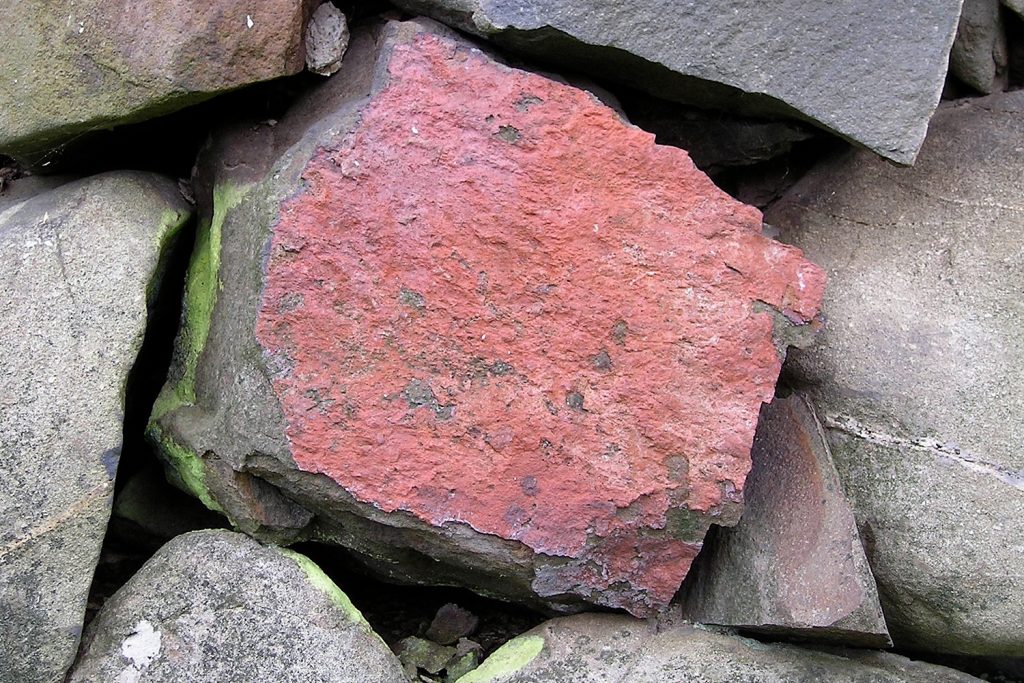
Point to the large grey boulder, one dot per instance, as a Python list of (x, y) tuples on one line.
[(92, 64), (794, 564), (870, 71), (919, 375), (76, 264), (218, 606), (605, 648)]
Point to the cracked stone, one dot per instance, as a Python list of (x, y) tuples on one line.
[(918, 375), (794, 564)]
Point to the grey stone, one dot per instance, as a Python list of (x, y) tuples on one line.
[(76, 264), (218, 606), (605, 648), (327, 39), (919, 371), (451, 623), (979, 56), (794, 564), (418, 653), (871, 72)]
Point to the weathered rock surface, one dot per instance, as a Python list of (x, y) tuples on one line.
[(604, 648), (326, 40), (979, 55), (918, 375), (794, 564), (75, 266), (486, 331), (218, 606), (70, 69), (871, 72)]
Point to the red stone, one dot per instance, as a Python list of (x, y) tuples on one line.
[(500, 305)]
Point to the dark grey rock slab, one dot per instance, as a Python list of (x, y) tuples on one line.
[(871, 72)]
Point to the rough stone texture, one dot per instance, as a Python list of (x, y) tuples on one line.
[(979, 56), (479, 307), (604, 648), (794, 564), (326, 40), (870, 71), (75, 265), (72, 68), (918, 375), (218, 606)]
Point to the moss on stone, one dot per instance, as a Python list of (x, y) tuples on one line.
[(201, 288), (507, 659), (321, 581), (188, 466)]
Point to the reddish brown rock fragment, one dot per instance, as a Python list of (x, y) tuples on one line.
[(794, 564), (498, 305)]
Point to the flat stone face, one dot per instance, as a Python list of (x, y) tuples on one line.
[(218, 606), (494, 303), (608, 648), (918, 378), (871, 71), (794, 564), (69, 69), (75, 265)]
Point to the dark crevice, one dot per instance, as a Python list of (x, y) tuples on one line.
[(399, 611), (124, 553), (169, 144), (149, 372), (1015, 43)]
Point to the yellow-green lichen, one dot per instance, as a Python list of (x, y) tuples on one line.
[(188, 466), (201, 288), (507, 659), (322, 582)]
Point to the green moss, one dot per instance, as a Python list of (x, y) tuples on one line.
[(188, 466), (507, 659), (201, 289), (323, 582)]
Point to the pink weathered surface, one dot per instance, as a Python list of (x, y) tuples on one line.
[(494, 303)]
